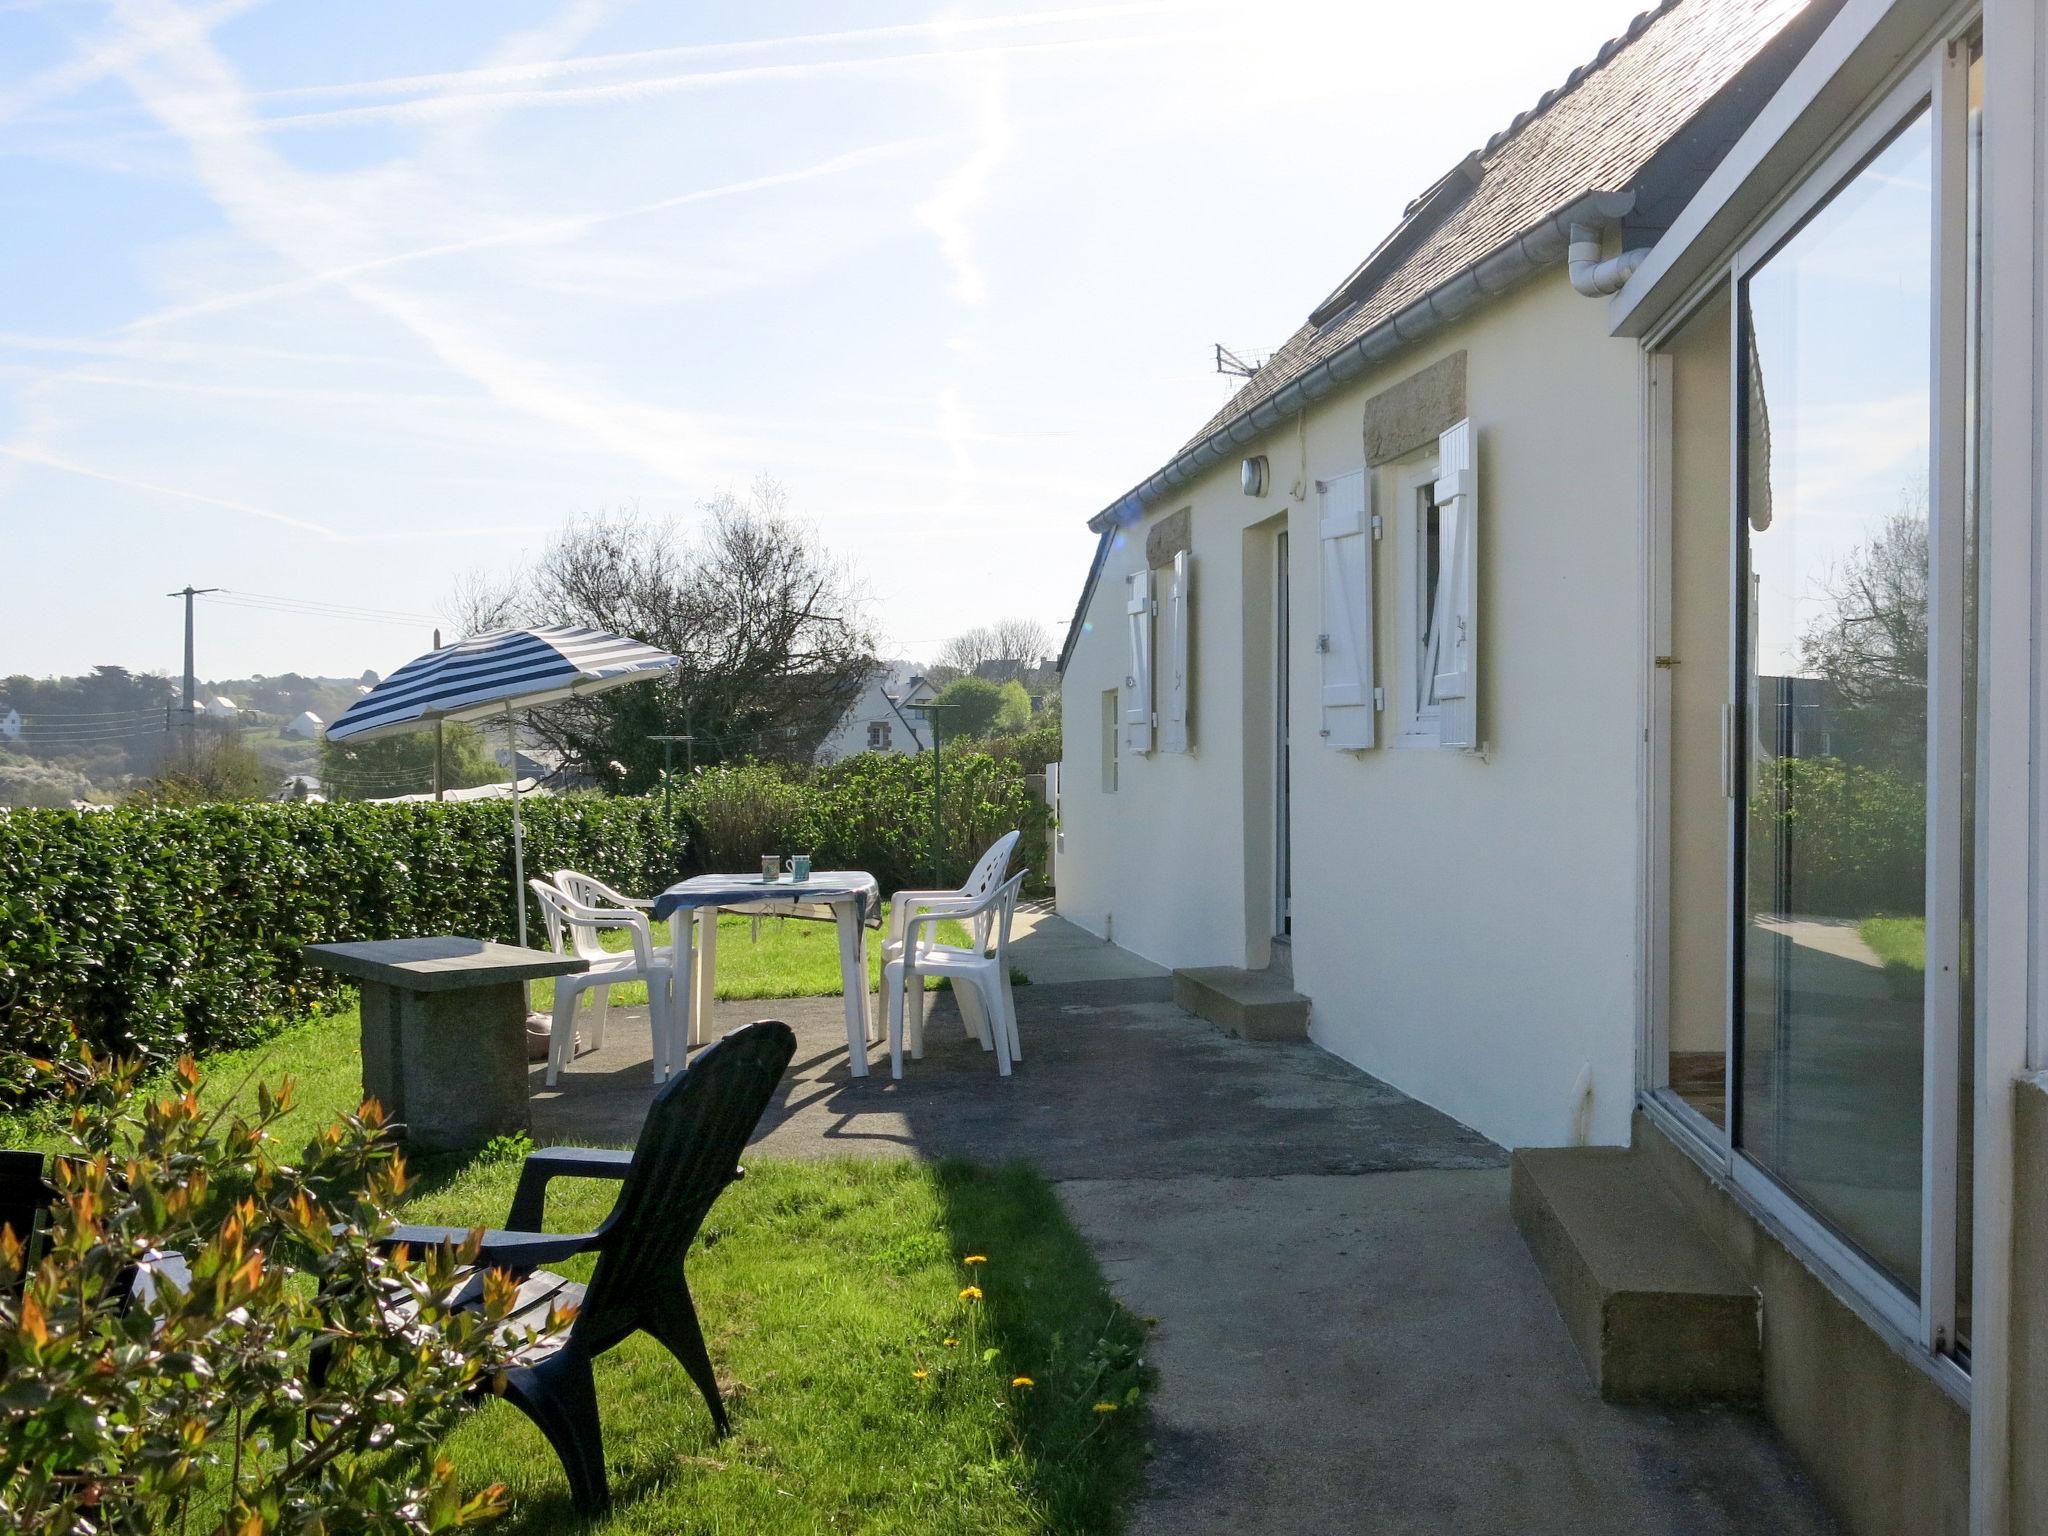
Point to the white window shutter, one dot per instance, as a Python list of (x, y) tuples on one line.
[(1344, 645), (1137, 693), (1456, 642), (1179, 695)]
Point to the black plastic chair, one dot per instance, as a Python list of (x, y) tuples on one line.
[(688, 1153)]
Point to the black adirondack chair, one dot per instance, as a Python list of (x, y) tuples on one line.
[(688, 1152)]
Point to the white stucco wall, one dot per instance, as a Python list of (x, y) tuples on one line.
[(1463, 925)]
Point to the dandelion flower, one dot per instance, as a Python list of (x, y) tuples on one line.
[(1022, 1381), (970, 1293), (1105, 1407), (950, 1343), (919, 1374), (975, 1258)]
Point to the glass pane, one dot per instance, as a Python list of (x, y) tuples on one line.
[(1696, 996), (1973, 418), (1835, 516)]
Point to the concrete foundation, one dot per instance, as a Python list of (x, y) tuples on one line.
[(1888, 1447)]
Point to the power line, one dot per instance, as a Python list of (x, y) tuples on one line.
[(271, 602)]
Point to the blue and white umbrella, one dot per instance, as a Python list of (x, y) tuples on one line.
[(492, 675)]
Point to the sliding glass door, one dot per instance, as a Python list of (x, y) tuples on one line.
[(1834, 348), (1813, 848)]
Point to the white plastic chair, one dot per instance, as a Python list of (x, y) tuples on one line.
[(980, 975), (573, 928), (986, 876), (593, 892)]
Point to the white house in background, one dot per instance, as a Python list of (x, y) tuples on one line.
[(881, 718), (1458, 658), (220, 709), (307, 726), (10, 725)]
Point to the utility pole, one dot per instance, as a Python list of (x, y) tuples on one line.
[(668, 763), (437, 742), (188, 592)]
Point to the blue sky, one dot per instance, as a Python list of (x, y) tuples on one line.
[(342, 302)]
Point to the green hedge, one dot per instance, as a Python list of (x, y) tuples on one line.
[(871, 812), (177, 929)]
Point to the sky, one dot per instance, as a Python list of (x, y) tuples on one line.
[(339, 304)]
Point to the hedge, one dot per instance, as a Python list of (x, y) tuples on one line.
[(871, 812), (180, 929)]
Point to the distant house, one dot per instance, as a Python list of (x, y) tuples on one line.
[(882, 717), (10, 725), (307, 727), (220, 709)]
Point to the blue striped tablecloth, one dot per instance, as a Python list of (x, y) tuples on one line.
[(824, 886)]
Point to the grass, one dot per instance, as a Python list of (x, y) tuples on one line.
[(823, 1286), (794, 957), (1900, 942)]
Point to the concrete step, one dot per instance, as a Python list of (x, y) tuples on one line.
[(1252, 1005), (1658, 1312)]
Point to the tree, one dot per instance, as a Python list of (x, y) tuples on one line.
[(1871, 646), (404, 764), (220, 766), (1000, 651), (770, 626), (968, 706)]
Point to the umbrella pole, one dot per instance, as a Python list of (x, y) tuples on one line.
[(518, 829)]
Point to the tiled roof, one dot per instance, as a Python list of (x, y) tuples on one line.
[(1597, 131)]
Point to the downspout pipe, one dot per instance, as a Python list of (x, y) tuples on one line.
[(1544, 245), (1592, 276)]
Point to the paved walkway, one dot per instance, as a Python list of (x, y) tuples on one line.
[(1351, 1335)]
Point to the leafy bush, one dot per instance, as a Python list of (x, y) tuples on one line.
[(190, 1404), (173, 929), (872, 812), (1858, 837), (743, 810)]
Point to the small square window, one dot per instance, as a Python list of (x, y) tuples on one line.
[(878, 735)]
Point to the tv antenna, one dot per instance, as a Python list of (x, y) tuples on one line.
[(1229, 362)]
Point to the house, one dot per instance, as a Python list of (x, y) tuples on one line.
[(305, 726), (882, 717), (10, 725), (220, 709), (1496, 670)]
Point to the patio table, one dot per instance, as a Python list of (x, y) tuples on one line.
[(854, 899)]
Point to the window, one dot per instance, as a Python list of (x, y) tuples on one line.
[(1429, 550), (878, 735), (1438, 503), (1112, 719)]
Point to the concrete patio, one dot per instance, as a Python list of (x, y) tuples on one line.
[(1351, 1335)]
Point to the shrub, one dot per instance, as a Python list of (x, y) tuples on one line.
[(190, 1405), (170, 929), (874, 812), (1858, 836), (744, 810)]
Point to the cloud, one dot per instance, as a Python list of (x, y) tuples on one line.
[(108, 56), (302, 217), (949, 212), (26, 455), (536, 232)]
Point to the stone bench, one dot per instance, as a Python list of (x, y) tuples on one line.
[(444, 1031)]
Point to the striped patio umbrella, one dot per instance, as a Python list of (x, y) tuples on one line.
[(493, 675)]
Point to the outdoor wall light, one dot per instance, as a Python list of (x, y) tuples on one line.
[(1252, 475)]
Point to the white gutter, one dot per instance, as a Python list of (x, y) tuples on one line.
[(1542, 246)]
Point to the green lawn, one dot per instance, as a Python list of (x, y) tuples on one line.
[(823, 1288), (1900, 942), (794, 957)]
